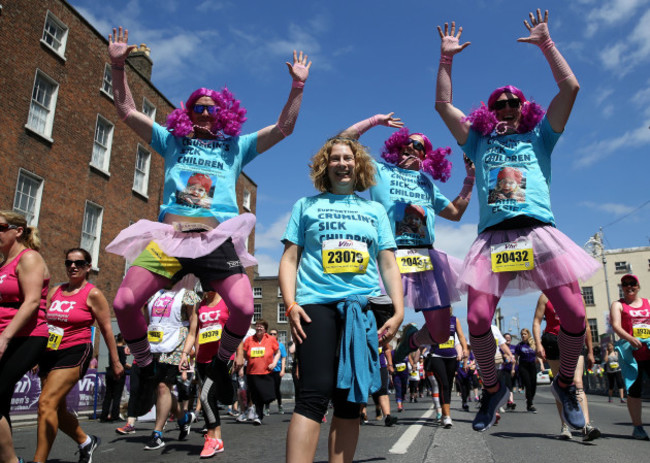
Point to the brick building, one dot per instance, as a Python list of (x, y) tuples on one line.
[(69, 164), (269, 305)]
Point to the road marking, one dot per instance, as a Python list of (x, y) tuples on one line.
[(403, 443)]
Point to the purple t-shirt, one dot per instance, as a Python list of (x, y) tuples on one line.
[(525, 352)]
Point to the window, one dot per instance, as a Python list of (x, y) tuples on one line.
[(149, 109), (41, 110), (27, 200), (246, 202), (588, 295), (621, 267), (593, 326), (102, 146), (282, 317), (55, 34), (257, 292), (257, 312), (620, 292), (141, 175), (107, 81), (279, 292), (282, 337), (92, 230)]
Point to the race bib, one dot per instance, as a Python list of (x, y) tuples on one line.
[(210, 334), (414, 374), (613, 365), (55, 337), (447, 345), (345, 256), (413, 260), (155, 334), (641, 331), (512, 257), (400, 367), (257, 352)]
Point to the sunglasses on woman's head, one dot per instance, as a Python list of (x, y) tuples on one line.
[(416, 144), (211, 109), (77, 263), (7, 226), (512, 102)]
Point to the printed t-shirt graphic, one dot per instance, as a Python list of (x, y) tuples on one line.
[(507, 183)]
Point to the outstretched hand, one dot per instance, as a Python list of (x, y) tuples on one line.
[(299, 70), (118, 47), (538, 28), (450, 40), (389, 121)]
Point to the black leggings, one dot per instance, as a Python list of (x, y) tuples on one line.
[(209, 405), (21, 354), (317, 357), (443, 369), (277, 382), (637, 387), (528, 375), (134, 388), (384, 385)]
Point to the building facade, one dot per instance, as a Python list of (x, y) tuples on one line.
[(268, 304)]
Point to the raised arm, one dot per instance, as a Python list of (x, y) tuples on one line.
[(451, 116), (118, 50), (269, 136), (455, 209), (363, 126), (560, 108)]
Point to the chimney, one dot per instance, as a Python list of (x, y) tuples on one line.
[(141, 60)]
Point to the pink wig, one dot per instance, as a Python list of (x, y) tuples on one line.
[(434, 162), (484, 119), (229, 119)]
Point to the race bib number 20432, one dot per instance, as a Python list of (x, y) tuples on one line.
[(515, 256)]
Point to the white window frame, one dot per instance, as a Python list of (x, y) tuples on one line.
[(147, 108), (279, 292), (590, 290), (282, 317), (106, 160), (49, 17), (593, 326), (107, 82), (95, 235), (621, 294), (246, 200), (621, 267), (48, 104), (35, 199), (257, 292), (282, 337), (144, 173), (257, 314)]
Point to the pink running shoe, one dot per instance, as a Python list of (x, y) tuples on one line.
[(126, 429), (211, 447)]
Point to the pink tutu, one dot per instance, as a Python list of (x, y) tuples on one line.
[(558, 261), (133, 240), (432, 290)]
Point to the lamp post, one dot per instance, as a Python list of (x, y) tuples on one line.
[(595, 247)]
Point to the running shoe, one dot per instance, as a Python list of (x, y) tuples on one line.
[(243, 417), (257, 421), (571, 411), (400, 407), (155, 442), (146, 393), (363, 418), (86, 452), (211, 447), (446, 422), (232, 412), (126, 429), (565, 433), (404, 346), (390, 420), (221, 371), (622, 401), (466, 407), (511, 406), (438, 416), (185, 424), (531, 408), (590, 432), (280, 410), (639, 433), (267, 411), (378, 414), (490, 403), (324, 420)]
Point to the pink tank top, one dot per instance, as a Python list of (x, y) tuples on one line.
[(211, 323), (11, 298), (552, 321), (72, 315), (636, 321)]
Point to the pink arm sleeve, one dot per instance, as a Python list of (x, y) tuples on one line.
[(466, 191), (559, 66), (363, 126), (289, 114), (121, 93)]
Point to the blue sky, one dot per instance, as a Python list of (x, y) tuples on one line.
[(376, 56)]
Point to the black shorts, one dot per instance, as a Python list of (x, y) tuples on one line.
[(262, 388), (549, 343), (166, 373), (71, 357)]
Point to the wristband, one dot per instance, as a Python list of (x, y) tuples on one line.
[(286, 314), (547, 44), (297, 84), (446, 59)]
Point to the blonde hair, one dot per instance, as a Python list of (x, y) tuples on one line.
[(29, 237), (531, 341), (364, 168)]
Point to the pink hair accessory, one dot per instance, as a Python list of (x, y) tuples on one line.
[(434, 162)]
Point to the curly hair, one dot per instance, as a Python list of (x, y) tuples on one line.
[(229, 119), (484, 119), (434, 163), (364, 168)]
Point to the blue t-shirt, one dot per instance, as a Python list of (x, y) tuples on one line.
[(201, 175), (283, 355), (411, 200), (333, 217), (513, 174)]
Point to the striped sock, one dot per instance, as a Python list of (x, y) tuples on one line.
[(141, 351), (229, 344), (484, 348), (570, 346)]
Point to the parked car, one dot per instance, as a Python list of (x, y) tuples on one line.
[(544, 376)]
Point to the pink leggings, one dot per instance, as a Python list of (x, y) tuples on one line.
[(140, 284)]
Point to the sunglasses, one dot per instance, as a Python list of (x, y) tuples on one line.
[(7, 226), (211, 109), (629, 283), (512, 102), (77, 263), (274, 334), (416, 144)]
